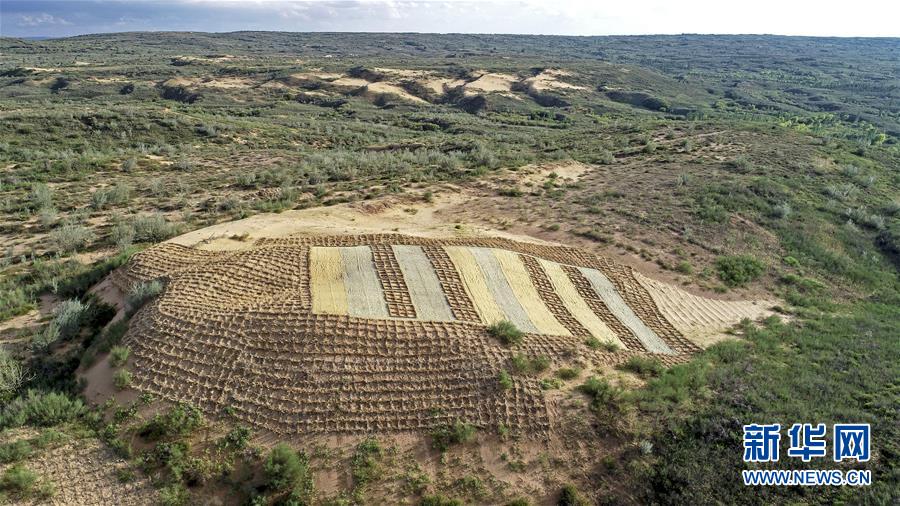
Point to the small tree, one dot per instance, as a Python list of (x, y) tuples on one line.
[(287, 470)]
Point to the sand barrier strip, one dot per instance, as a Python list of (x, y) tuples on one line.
[(365, 298), (617, 305), (525, 291), (472, 277), (327, 281), (396, 291), (638, 298), (573, 304), (599, 308), (451, 284), (696, 316), (425, 293), (501, 290)]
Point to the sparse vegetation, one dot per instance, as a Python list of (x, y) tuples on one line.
[(506, 332)]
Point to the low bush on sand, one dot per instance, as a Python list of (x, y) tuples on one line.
[(506, 332)]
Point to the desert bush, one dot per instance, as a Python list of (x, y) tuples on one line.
[(440, 500), (128, 165), (601, 392), (118, 355), (530, 365), (41, 409), (569, 496), (286, 469), (505, 380), (180, 421), (12, 375), (174, 494), (143, 292), (15, 451), (119, 194), (122, 235), (70, 238), (48, 217), (18, 480), (68, 316), (45, 338), (645, 367), (457, 433), (236, 439), (364, 465), (99, 199), (567, 373), (152, 228), (506, 332), (41, 197), (738, 270), (122, 379)]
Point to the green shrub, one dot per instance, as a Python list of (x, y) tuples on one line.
[(457, 433), (41, 197), (173, 495), (567, 373), (571, 497), (286, 469), (530, 365), (68, 316), (19, 480), (143, 292), (645, 367), (236, 438), (180, 421), (506, 381), (12, 375), (14, 451), (506, 332), (118, 355), (122, 379), (738, 270), (440, 500), (684, 267), (41, 409), (364, 465), (152, 228), (70, 238)]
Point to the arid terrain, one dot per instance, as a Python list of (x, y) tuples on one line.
[(270, 268)]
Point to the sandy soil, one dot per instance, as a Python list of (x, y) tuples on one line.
[(396, 91), (490, 82), (549, 80)]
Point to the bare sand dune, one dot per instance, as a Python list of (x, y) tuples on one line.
[(491, 82)]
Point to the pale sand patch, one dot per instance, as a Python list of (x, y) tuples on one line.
[(177, 81), (702, 320), (549, 80), (350, 82), (475, 285), (317, 75), (365, 297), (605, 289), (492, 82), (501, 291), (390, 89), (524, 290), (326, 282), (576, 305), (403, 72), (423, 284), (440, 85), (389, 215)]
